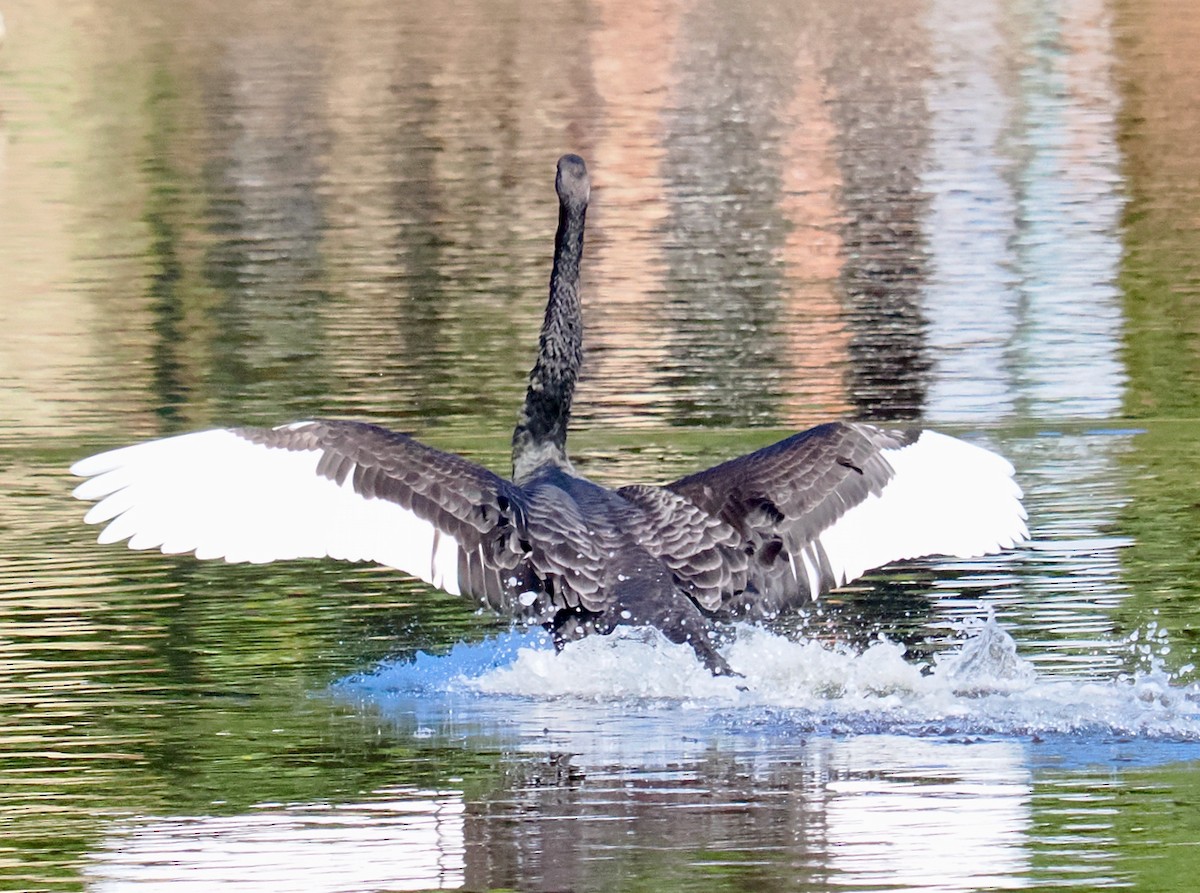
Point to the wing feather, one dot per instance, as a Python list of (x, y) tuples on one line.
[(822, 507), (315, 489), (703, 552)]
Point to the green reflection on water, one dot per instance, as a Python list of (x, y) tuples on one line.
[(1160, 277), (1160, 74), (1157, 826), (1161, 567)]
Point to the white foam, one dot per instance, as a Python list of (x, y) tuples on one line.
[(981, 687)]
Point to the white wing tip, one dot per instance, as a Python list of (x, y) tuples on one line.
[(221, 495), (90, 467), (947, 497)]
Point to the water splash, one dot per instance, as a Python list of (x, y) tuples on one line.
[(983, 687)]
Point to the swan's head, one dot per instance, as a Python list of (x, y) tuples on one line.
[(572, 182)]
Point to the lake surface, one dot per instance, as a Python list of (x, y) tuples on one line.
[(976, 216)]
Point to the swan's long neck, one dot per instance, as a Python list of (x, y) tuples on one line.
[(540, 437)]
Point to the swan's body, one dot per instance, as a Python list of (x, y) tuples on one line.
[(745, 539)]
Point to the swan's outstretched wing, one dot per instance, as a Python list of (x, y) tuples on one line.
[(824, 506), (314, 489)]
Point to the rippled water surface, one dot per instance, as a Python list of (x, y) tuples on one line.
[(979, 216)]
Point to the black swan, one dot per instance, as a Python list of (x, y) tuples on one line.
[(745, 539)]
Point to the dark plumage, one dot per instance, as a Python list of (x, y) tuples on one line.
[(745, 539)]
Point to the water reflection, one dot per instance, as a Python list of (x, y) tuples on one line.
[(1025, 208), (971, 299), (1069, 207), (400, 839), (885, 246), (826, 816), (725, 301), (1072, 579), (928, 824), (329, 225), (571, 815), (268, 261)]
